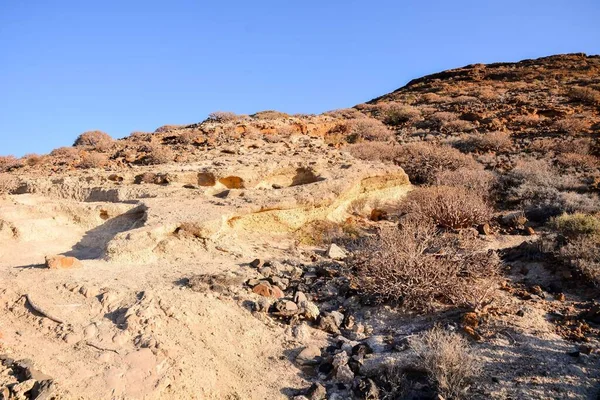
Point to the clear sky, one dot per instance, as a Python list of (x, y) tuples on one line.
[(67, 66)]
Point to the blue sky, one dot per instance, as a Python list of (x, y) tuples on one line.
[(121, 66)]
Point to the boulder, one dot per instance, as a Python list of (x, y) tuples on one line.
[(335, 252), (62, 262)]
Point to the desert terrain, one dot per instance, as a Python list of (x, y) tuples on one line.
[(439, 242)]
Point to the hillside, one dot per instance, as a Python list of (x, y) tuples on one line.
[(439, 241)]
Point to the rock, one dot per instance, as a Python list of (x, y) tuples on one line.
[(366, 389), (88, 291), (514, 220), (529, 231), (301, 332), (316, 392), (300, 297), (470, 319), (266, 271), (257, 263), (485, 229), (344, 374), (20, 389), (329, 323), (377, 343), (560, 296), (335, 252), (72, 338), (310, 355), (378, 215), (340, 359), (310, 310), (62, 262), (266, 290), (90, 331), (285, 308)]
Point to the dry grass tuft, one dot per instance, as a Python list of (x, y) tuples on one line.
[(477, 180), (8, 183), (420, 267), (585, 95), (369, 129), (491, 141), (93, 160), (158, 154), (96, 140), (223, 116), (448, 360), (448, 207)]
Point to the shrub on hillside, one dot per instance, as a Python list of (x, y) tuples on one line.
[(380, 151), (543, 192), (585, 95), (32, 159), (449, 207), (420, 267), (65, 154), (576, 225), (578, 161), (491, 141), (8, 163), (457, 126), (270, 115), (398, 114), (138, 136), (158, 154), (572, 125), (97, 140), (582, 255), (345, 113), (369, 129), (8, 183), (223, 116), (476, 180), (165, 128), (93, 160), (448, 360), (423, 161)]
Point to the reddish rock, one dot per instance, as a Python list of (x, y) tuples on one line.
[(378, 215), (62, 262), (485, 229), (266, 290)]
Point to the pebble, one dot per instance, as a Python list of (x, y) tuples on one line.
[(310, 355)]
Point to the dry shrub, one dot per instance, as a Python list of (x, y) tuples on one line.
[(420, 267), (138, 136), (572, 125), (97, 140), (270, 115), (8, 183), (323, 232), (449, 207), (476, 180), (582, 255), (8, 163), (164, 128), (380, 151), (93, 160), (369, 129), (585, 95), (65, 154), (543, 192), (578, 161), (527, 120), (448, 360), (33, 159), (464, 100), (423, 161), (579, 146), (458, 126), (398, 114), (188, 137), (433, 98), (158, 154), (345, 113), (576, 225), (486, 93), (443, 117), (491, 141), (223, 116)]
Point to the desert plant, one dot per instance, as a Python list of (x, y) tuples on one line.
[(33, 159), (345, 113), (270, 115), (374, 151), (576, 225), (449, 207), (188, 136), (448, 360), (93, 160), (585, 95), (397, 114), (8, 163), (65, 154), (369, 129), (578, 161), (158, 154), (477, 180), (164, 128), (457, 126), (223, 116), (582, 255), (97, 140), (423, 161), (420, 267), (572, 125), (8, 183), (491, 141)]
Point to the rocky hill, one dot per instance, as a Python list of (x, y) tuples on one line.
[(440, 241)]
